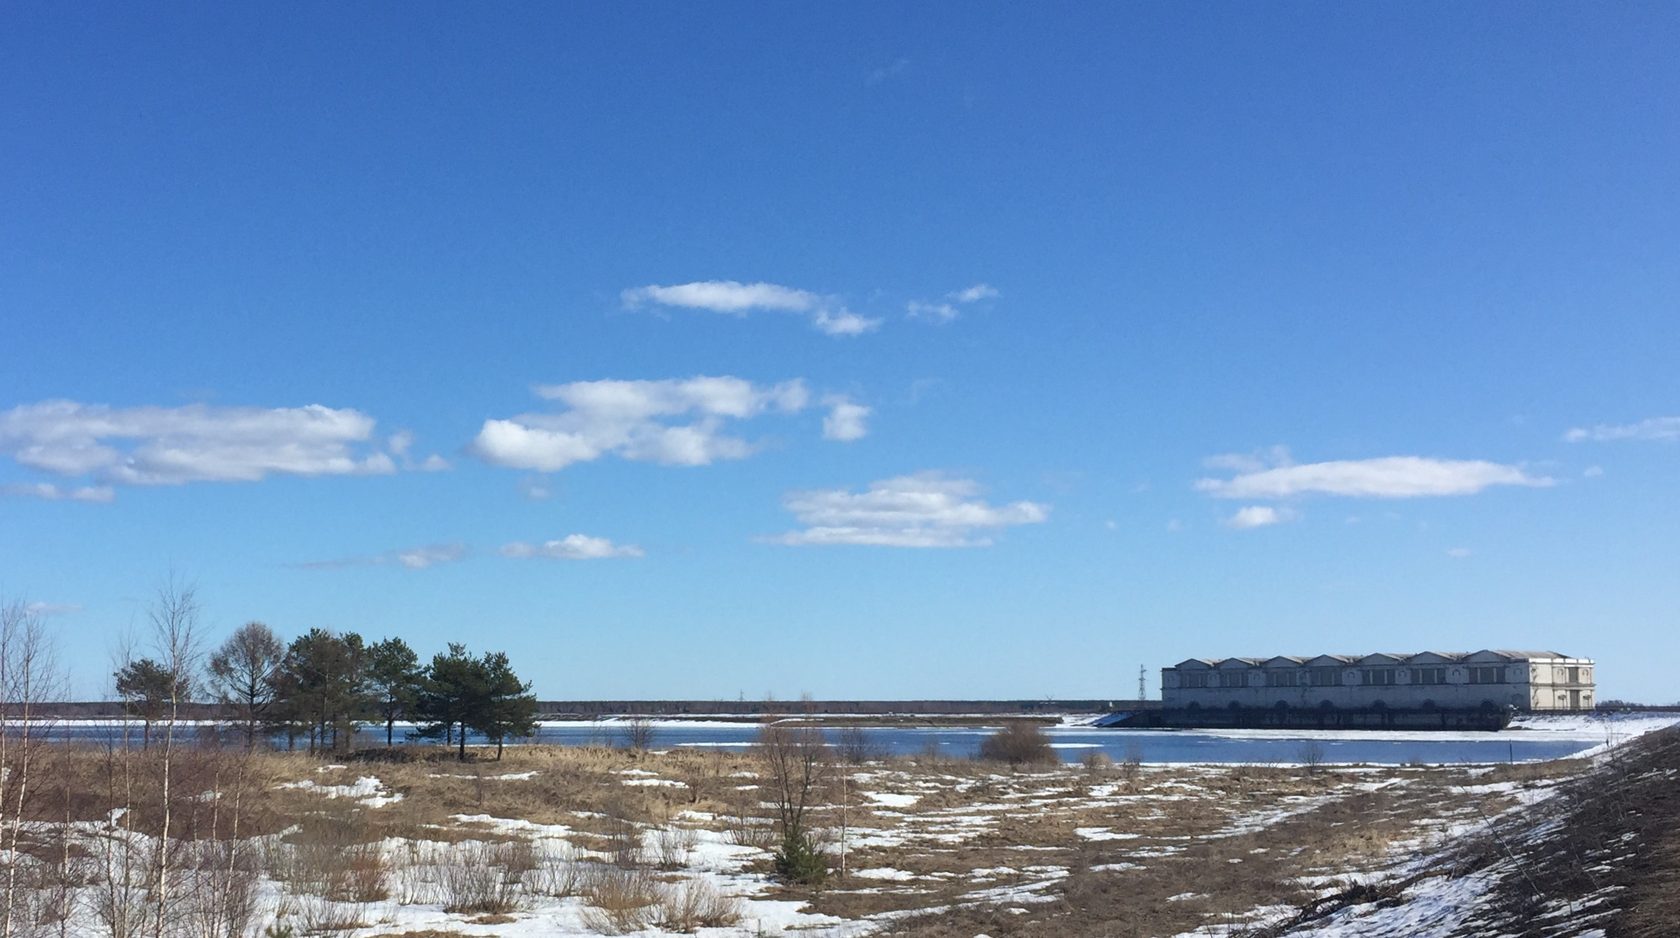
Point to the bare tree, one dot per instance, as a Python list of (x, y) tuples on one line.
[(638, 733), (243, 670), (797, 761), (174, 614), (28, 678)]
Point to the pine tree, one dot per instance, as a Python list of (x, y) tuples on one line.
[(394, 681), (508, 708), (147, 688)]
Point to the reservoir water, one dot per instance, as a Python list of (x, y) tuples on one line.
[(1530, 739)]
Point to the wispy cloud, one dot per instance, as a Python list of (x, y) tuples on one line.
[(1666, 429), (928, 509), (412, 558), (879, 75), (846, 420), (826, 313), (47, 610), (572, 547), (536, 488), (193, 443), (679, 422), (47, 491), (401, 445), (1458, 553), (949, 308), (980, 291), (1385, 477), (1259, 516)]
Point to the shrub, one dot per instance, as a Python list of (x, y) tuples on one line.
[(672, 844), (1311, 755), (694, 905), (476, 879), (1018, 743), (621, 900), (799, 861), (557, 874)]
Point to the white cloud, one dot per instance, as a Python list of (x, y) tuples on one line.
[(980, 291), (946, 311), (572, 547), (932, 312), (725, 296), (846, 421), (1655, 428), (1592, 472), (194, 443), (53, 493), (636, 420), (732, 297), (928, 509), (1385, 477), (844, 323), (1259, 516), (1458, 552), (411, 558)]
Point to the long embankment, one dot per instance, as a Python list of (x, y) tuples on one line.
[(886, 710)]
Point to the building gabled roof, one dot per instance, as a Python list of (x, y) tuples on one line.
[(1375, 658), (1436, 657)]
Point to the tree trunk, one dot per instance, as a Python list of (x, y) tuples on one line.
[(390, 727), (461, 755)]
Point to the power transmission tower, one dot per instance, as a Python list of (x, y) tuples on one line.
[(1142, 670)]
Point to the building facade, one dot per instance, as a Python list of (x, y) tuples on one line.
[(1430, 680)]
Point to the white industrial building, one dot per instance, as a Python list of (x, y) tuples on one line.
[(1430, 680)]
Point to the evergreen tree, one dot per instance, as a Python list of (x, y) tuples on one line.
[(508, 707), (463, 693), (452, 683), (147, 689), (323, 679), (394, 682)]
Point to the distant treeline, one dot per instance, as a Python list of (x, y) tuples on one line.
[(564, 709)]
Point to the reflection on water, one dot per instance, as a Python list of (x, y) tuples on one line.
[(1071, 743)]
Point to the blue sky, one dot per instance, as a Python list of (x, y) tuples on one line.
[(874, 350)]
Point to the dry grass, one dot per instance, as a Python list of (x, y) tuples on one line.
[(1101, 849)]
